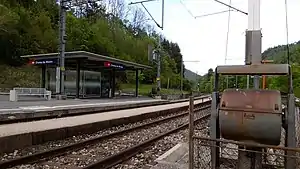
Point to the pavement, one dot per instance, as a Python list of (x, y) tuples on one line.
[(27, 102), (35, 108)]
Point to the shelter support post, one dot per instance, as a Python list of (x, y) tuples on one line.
[(113, 83), (77, 78), (43, 76), (136, 83), (248, 80)]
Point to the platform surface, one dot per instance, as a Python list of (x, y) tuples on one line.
[(65, 122), (40, 104)]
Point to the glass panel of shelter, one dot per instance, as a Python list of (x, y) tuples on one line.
[(106, 84), (92, 83)]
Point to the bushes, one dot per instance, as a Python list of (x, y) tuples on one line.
[(25, 76)]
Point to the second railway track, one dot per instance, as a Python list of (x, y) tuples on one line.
[(70, 152)]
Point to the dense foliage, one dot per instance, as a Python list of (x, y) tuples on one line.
[(279, 55), (107, 27)]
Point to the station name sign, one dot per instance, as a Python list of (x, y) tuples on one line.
[(113, 65), (43, 62)]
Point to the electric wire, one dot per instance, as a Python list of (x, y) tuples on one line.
[(215, 13), (204, 15), (186, 8)]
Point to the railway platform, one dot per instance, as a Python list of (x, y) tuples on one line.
[(25, 110), (19, 135)]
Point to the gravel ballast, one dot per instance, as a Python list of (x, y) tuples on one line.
[(90, 154)]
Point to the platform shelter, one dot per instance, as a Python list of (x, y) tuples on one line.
[(86, 74)]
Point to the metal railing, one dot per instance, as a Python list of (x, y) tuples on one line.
[(273, 157)]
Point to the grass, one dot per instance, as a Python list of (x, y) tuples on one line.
[(145, 89)]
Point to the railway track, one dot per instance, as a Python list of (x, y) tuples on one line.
[(124, 155), (64, 113), (52, 153)]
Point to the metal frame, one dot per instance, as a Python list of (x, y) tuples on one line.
[(272, 155), (253, 67), (271, 69)]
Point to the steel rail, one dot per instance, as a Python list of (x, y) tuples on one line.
[(124, 155), (28, 159)]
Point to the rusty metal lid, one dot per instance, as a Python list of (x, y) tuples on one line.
[(251, 99)]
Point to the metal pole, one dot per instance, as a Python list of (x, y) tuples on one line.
[(181, 76), (253, 56), (158, 65), (168, 83), (248, 79), (291, 127), (191, 133), (227, 80), (62, 31), (162, 14), (236, 81), (254, 25), (290, 162), (159, 56), (159, 45)]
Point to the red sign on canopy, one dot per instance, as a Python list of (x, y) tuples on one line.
[(107, 64)]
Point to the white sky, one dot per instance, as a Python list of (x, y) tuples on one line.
[(204, 39)]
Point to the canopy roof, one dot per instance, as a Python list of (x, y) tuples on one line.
[(91, 59)]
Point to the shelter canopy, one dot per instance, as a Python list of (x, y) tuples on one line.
[(87, 59)]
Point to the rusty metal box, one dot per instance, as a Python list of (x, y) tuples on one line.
[(251, 115)]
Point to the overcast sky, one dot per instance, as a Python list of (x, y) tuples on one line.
[(204, 39)]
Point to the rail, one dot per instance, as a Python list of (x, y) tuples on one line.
[(132, 151), (65, 149)]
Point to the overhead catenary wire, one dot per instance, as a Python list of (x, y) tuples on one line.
[(215, 13), (204, 15), (185, 7), (231, 7)]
